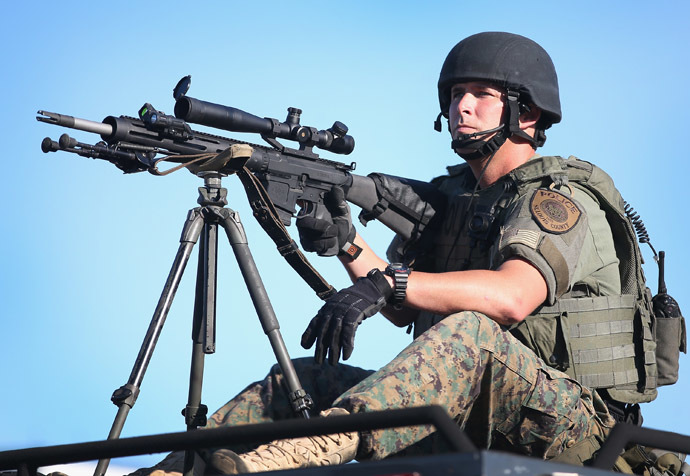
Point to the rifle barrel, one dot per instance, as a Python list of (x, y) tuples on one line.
[(75, 123)]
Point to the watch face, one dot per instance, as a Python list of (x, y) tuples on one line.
[(398, 268)]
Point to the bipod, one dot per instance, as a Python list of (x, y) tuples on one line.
[(203, 222)]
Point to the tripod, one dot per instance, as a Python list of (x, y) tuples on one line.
[(203, 222)]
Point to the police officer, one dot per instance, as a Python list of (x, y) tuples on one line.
[(521, 260)]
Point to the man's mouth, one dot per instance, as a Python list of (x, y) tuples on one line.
[(463, 130)]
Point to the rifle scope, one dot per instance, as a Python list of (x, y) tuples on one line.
[(232, 119)]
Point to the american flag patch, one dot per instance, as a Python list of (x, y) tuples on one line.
[(524, 237)]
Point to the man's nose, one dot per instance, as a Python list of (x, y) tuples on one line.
[(465, 103)]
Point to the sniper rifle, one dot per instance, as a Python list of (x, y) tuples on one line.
[(281, 182)]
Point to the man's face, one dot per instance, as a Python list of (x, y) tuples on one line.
[(475, 106)]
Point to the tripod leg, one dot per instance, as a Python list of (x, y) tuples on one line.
[(203, 333), (126, 396), (301, 402)]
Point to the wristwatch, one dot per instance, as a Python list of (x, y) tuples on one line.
[(399, 272)]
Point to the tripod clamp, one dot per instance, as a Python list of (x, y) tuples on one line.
[(195, 416), (301, 402), (125, 395)]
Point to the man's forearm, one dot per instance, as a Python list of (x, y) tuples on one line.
[(506, 295), (365, 262)]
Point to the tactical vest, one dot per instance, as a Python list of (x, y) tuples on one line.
[(604, 342), (608, 340)]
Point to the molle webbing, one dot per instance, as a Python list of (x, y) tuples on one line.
[(600, 335)]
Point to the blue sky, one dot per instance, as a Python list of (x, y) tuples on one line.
[(87, 249)]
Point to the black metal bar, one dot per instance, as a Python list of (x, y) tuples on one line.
[(203, 333), (624, 433), (125, 397), (262, 432), (300, 401)]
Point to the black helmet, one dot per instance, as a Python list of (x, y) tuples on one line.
[(513, 62)]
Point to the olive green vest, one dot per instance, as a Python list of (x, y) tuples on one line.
[(605, 342)]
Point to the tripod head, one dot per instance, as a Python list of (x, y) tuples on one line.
[(212, 193)]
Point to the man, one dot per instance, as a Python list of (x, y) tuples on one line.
[(524, 244)]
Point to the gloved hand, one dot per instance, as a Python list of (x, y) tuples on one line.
[(328, 238), (333, 328)]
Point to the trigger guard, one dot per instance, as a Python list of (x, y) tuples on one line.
[(306, 209)]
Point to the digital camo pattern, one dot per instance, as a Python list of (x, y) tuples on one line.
[(265, 401), (498, 391)]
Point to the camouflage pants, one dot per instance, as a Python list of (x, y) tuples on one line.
[(497, 390)]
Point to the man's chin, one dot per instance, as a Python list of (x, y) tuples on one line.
[(470, 151), (460, 152), (467, 155)]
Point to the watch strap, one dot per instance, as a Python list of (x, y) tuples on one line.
[(400, 274)]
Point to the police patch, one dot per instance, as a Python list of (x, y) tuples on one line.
[(554, 211)]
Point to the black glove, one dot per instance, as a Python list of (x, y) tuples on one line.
[(329, 238), (333, 328)]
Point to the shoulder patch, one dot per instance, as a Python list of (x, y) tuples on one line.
[(554, 211), (530, 238)]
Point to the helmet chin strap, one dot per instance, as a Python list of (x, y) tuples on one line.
[(474, 148)]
